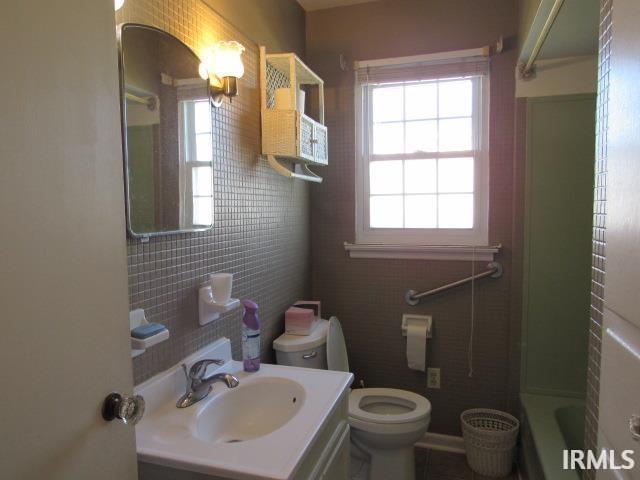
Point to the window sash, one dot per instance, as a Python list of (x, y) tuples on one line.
[(368, 128), (478, 234)]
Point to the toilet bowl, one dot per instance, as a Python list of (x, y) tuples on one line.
[(385, 422)]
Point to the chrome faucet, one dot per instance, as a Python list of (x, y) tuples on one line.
[(198, 387)]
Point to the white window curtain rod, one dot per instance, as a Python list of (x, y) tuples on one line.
[(426, 58)]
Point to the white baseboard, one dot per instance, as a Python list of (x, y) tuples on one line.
[(448, 443), (438, 441)]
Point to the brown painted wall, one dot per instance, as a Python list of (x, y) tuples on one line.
[(261, 224), (277, 24), (367, 295)]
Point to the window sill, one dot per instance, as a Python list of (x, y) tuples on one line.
[(423, 252)]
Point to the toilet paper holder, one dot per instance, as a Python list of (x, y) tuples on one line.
[(409, 317)]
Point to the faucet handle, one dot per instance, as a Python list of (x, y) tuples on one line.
[(199, 368)]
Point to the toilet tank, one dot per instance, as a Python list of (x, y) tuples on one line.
[(309, 351)]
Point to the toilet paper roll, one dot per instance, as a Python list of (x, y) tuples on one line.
[(416, 345), (300, 100)]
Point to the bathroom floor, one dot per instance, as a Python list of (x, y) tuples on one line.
[(437, 465)]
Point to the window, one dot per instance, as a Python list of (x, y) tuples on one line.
[(200, 160), (196, 170), (422, 163)]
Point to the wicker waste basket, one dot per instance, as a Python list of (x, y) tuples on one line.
[(490, 438)]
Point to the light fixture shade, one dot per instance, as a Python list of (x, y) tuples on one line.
[(118, 4), (203, 71), (226, 59)]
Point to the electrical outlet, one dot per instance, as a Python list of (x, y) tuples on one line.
[(433, 378)]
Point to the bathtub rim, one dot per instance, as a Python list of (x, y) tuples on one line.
[(548, 439)]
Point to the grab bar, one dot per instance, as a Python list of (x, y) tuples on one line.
[(413, 298)]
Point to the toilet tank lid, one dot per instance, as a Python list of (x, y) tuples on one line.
[(298, 343)]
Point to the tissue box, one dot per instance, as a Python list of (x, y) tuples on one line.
[(299, 321), (310, 304)]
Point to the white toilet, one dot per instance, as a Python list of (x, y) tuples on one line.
[(385, 422)]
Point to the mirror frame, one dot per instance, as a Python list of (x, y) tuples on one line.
[(123, 126)]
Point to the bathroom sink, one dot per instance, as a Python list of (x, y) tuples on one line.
[(262, 429), (251, 410)]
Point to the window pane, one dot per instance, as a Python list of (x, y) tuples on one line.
[(455, 99), (385, 177), (385, 212), (387, 104), (455, 135), (455, 175), (202, 211), (420, 211), (203, 117), (455, 211), (420, 176), (421, 101), (422, 136), (388, 138), (204, 148), (202, 181)]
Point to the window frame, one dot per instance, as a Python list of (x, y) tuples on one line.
[(476, 236)]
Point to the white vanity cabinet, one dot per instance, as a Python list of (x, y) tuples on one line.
[(328, 458)]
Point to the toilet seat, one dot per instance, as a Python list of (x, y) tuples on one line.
[(386, 406)]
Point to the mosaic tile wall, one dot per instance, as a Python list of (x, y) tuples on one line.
[(261, 228), (368, 294), (599, 231)]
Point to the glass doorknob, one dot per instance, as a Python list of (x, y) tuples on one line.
[(129, 409)]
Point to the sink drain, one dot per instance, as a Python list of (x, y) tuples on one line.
[(234, 440)]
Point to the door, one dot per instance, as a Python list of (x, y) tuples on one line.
[(320, 146), (63, 296), (305, 137), (620, 359)]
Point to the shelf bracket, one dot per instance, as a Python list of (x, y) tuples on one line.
[(304, 172)]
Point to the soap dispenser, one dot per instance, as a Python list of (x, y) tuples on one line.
[(250, 337)]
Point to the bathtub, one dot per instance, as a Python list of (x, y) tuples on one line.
[(549, 426)]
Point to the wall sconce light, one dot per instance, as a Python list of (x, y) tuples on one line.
[(223, 65)]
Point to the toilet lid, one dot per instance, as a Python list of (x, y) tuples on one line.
[(388, 406), (336, 348)]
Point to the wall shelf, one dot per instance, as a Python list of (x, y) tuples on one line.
[(288, 134), (208, 309), (138, 318)]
